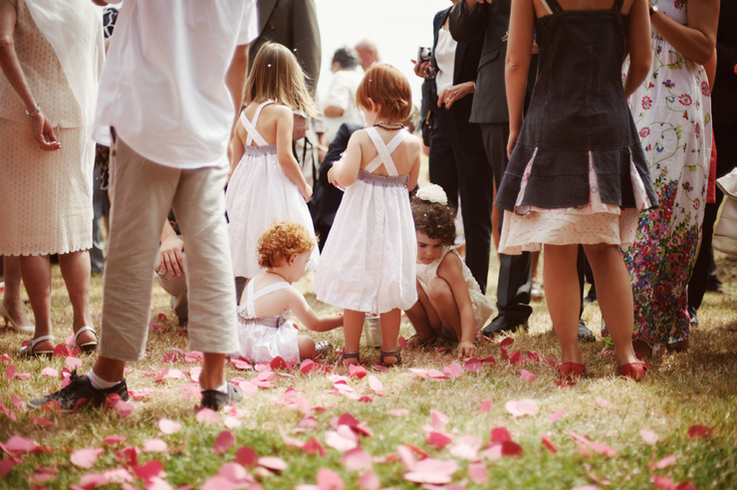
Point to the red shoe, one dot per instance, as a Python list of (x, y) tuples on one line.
[(570, 370), (634, 370)]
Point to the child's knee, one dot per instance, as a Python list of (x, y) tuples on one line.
[(439, 290), (306, 347)]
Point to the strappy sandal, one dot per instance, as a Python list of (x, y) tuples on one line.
[(390, 353), (9, 321), (30, 349), (323, 349), (87, 346), (348, 355), (570, 370)]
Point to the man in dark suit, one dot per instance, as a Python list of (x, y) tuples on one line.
[(467, 19), (292, 23)]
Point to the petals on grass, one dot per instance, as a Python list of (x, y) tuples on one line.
[(665, 462), (430, 470), (402, 342), (169, 426), (511, 448), (223, 442), (148, 471), (663, 483), (356, 371), (309, 422), (232, 422), (369, 481), (73, 363), (437, 439), (10, 372), (700, 431), (520, 408), (485, 406), (329, 480), (453, 371), (194, 373), (356, 459), (114, 439), (207, 416), (6, 466), (602, 403), (649, 437), (246, 456), (376, 385), (528, 376), (516, 358), (123, 408), (554, 417), (235, 473), (49, 371), (272, 463), (248, 388), (473, 365), (85, 458), (439, 420), (549, 444), (155, 446), (398, 412), (499, 435), (314, 446), (478, 473), (341, 440), (20, 445), (240, 364)]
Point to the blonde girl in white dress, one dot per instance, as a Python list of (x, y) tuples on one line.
[(267, 185), (450, 303), (368, 263)]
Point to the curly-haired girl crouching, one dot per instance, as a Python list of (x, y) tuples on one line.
[(264, 328)]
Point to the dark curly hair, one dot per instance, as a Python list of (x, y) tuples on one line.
[(435, 220), (282, 240)]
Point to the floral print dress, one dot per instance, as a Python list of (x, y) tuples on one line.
[(672, 110)]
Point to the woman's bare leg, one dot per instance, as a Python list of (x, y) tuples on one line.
[(11, 298), (563, 298), (75, 268), (36, 273)]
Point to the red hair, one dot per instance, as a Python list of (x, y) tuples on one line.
[(385, 85)]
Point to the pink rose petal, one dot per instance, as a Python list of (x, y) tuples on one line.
[(398, 412), (123, 408), (314, 446), (665, 462), (499, 435), (663, 483), (478, 473), (246, 456), (439, 420), (49, 371), (649, 437), (485, 406), (155, 446), (18, 445), (356, 371), (602, 403), (473, 365), (207, 416), (549, 444), (369, 481), (554, 417), (272, 463), (522, 407), (235, 473), (528, 376), (169, 426), (430, 470), (85, 458), (223, 442), (356, 459), (603, 449), (402, 342), (148, 471), (42, 421), (73, 363), (114, 439), (231, 422), (453, 371), (10, 372), (329, 480), (437, 439), (376, 385), (248, 388)]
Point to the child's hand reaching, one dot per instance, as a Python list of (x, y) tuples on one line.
[(306, 192), (467, 349)]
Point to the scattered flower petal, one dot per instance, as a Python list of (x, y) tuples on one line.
[(528, 376), (169, 426), (223, 442), (356, 459), (155, 446), (85, 458), (478, 473), (649, 437)]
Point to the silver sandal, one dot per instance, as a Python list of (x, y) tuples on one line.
[(30, 349), (87, 346)]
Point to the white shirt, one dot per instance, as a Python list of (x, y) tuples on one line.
[(342, 94), (445, 57), (163, 86)]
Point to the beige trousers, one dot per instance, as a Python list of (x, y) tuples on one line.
[(141, 194)]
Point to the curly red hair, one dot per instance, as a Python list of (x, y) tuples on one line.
[(282, 240), (387, 86)]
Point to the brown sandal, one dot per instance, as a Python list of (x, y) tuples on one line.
[(390, 353), (348, 355)]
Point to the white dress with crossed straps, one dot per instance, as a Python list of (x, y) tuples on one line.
[(260, 194), (261, 339), (368, 263)]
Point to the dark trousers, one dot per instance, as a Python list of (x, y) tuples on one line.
[(463, 171), (515, 283), (726, 162)]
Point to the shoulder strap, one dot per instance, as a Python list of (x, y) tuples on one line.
[(617, 5), (552, 6), (250, 307), (385, 151), (270, 289), (254, 135)]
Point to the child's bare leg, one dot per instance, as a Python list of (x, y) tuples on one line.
[(306, 347), (615, 300), (444, 303), (389, 333), (564, 300), (352, 328), (424, 318)]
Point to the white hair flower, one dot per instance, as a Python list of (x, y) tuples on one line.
[(433, 193)]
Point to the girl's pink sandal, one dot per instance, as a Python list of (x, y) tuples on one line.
[(570, 370), (634, 370)]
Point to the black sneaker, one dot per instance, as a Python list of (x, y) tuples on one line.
[(215, 399), (81, 389)]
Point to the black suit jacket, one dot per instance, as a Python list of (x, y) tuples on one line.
[(490, 100), (292, 23), (724, 96)]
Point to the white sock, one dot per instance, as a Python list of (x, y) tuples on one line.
[(99, 383), (222, 388)]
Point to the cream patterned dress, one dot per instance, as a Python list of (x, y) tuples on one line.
[(45, 197)]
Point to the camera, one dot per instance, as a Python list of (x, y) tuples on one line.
[(424, 54)]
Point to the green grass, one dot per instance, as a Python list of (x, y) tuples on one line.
[(699, 387)]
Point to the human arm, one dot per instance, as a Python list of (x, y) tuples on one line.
[(42, 130), (235, 77), (517, 64), (466, 19), (451, 270), (170, 251), (695, 40), (284, 133), (345, 170), (308, 317), (416, 153), (638, 43), (710, 67), (451, 94), (237, 147)]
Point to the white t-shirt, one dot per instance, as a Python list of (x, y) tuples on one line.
[(163, 86), (445, 57), (342, 94)]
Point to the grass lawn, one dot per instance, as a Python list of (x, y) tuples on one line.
[(404, 425)]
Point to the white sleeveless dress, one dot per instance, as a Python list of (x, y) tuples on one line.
[(260, 194), (368, 263), (261, 339), (483, 307)]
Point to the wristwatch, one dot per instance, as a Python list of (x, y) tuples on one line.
[(654, 9)]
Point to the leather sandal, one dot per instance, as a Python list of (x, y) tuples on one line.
[(9, 321), (570, 370), (30, 349), (390, 353), (348, 355), (87, 346)]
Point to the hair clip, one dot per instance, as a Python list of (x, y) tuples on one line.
[(269, 65)]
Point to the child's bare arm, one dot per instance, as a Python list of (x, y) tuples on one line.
[(284, 131), (451, 269), (414, 172), (345, 170), (236, 147), (309, 318)]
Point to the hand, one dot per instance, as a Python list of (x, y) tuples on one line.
[(306, 192), (43, 133), (300, 127), (467, 349), (512, 141), (422, 68), (331, 177), (452, 94), (172, 260)]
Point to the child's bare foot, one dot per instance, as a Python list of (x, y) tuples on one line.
[(390, 358)]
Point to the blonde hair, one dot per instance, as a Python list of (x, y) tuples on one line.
[(282, 240), (387, 86), (276, 75)]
